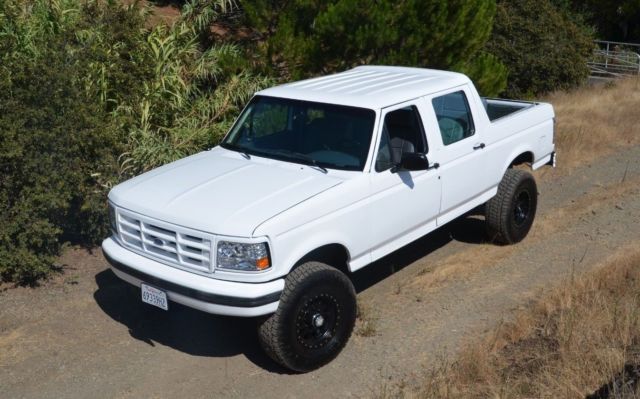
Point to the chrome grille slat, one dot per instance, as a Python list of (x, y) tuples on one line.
[(161, 252), (187, 250), (167, 248), (134, 236), (134, 242), (192, 238), (131, 230), (162, 233), (193, 244), (125, 222), (175, 245), (154, 236), (192, 262), (196, 256)]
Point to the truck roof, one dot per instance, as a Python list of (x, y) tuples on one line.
[(372, 87)]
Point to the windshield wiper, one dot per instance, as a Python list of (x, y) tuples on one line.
[(236, 148), (302, 157)]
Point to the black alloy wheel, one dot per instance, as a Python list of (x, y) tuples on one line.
[(521, 208), (314, 320), (317, 321)]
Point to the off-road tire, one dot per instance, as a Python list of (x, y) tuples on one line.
[(313, 293), (510, 214)]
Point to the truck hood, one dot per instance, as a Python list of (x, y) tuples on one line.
[(220, 192)]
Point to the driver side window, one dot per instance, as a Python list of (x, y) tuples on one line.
[(402, 132)]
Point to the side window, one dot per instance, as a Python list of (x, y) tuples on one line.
[(454, 117), (402, 132)]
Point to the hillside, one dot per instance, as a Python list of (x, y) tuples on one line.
[(83, 333)]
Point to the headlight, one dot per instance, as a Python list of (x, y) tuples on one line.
[(243, 257), (112, 218)]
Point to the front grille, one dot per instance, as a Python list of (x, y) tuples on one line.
[(168, 243)]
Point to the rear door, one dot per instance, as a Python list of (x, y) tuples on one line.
[(462, 158), (403, 204)]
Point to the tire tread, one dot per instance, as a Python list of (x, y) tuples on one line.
[(497, 212), (270, 332)]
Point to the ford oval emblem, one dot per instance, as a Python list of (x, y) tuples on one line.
[(158, 242)]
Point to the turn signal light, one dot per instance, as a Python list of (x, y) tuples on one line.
[(263, 263)]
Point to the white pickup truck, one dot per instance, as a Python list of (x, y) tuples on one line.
[(318, 179)]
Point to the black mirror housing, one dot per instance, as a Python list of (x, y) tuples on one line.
[(413, 161)]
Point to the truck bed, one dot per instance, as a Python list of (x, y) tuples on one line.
[(499, 108)]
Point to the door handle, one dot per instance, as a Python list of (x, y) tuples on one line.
[(479, 146)]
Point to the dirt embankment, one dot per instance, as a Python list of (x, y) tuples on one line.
[(580, 340)]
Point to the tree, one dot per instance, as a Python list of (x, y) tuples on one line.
[(616, 20), (301, 38), (543, 48)]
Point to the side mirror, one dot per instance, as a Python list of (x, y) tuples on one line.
[(412, 161)]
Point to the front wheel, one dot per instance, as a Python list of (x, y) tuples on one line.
[(314, 320), (509, 215)]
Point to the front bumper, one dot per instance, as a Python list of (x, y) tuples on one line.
[(193, 290)]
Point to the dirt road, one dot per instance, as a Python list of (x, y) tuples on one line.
[(86, 335)]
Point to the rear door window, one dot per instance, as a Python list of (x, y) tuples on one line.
[(454, 117)]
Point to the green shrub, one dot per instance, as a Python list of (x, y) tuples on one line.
[(88, 96), (304, 38), (543, 48), (53, 138)]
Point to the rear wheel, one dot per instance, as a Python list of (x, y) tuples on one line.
[(314, 319), (510, 214)]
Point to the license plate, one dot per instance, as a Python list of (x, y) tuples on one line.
[(155, 297)]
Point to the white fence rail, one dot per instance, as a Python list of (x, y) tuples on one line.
[(614, 59)]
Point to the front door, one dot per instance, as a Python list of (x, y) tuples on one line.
[(403, 204)]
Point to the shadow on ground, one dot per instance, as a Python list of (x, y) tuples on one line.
[(625, 384), (468, 229), (182, 328), (201, 334)]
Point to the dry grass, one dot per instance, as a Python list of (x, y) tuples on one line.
[(462, 264), (596, 120), (366, 321), (585, 205), (581, 340)]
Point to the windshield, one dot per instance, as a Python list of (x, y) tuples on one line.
[(324, 135)]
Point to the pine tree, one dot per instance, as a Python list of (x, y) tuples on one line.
[(309, 37)]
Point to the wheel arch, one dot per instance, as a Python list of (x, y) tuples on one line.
[(520, 156), (333, 254), (525, 157)]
